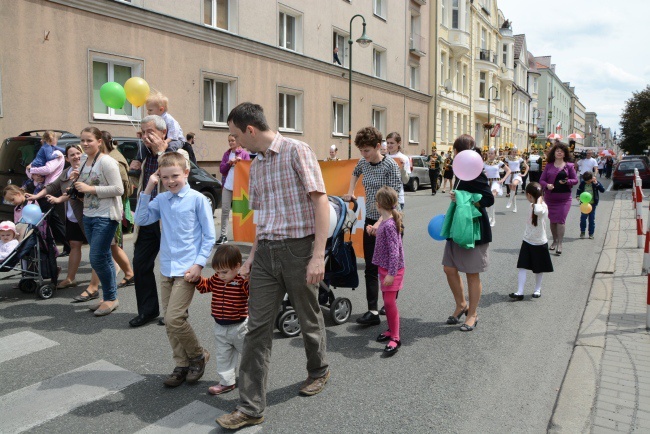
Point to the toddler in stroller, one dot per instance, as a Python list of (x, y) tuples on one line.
[(340, 270)]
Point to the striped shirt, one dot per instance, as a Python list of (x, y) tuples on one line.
[(280, 182), (229, 300), (375, 176)]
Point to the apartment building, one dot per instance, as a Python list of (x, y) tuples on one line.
[(209, 55), (521, 97), (554, 100), (592, 130), (577, 114)]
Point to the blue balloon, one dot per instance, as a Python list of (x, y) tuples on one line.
[(32, 214), (435, 227)]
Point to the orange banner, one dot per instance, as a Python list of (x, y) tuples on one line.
[(336, 174)]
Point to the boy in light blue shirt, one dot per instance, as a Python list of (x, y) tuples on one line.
[(186, 242)]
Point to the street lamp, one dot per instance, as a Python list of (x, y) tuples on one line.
[(363, 41), (536, 115), (496, 98)]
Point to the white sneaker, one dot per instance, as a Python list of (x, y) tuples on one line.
[(509, 204), (492, 223), (515, 208)]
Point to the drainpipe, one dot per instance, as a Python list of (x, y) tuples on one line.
[(471, 65), (435, 84)]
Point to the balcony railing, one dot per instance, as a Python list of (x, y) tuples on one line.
[(487, 56), (417, 44)]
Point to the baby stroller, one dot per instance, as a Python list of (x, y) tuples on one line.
[(340, 271), (34, 259)]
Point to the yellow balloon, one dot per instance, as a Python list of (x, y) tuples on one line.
[(585, 208), (137, 91)]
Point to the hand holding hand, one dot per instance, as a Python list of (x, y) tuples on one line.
[(371, 230), (193, 274), (245, 270)]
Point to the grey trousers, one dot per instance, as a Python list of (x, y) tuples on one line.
[(226, 203), (278, 267)]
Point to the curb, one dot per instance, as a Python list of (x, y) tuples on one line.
[(573, 408)]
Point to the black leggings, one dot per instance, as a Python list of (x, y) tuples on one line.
[(371, 273)]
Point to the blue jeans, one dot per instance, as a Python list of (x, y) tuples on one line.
[(100, 232), (592, 220)]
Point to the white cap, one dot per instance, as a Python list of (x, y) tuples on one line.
[(8, 226)]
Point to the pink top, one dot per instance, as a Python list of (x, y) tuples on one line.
[(550, 172), (52, 169), (389, 253)]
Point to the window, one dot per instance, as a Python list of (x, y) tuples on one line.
[(481, 85), (111, 68), (535, 82), (443, 10), (483, 38), (379, 119), (218, 99), (216, 13), (340, 41), (415, 77), (451, 127), (465, 79), (289, 110), (455, 14), (504, 53), (443, 125), (414, 129), (379, 63), (443, 61), (379, 8), (458, 72), (459, 118), (290, 30), (340, 118)]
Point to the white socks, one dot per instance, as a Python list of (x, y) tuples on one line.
[(491, 214), (522, 282)]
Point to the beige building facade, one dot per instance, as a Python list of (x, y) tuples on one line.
[(209, 55)]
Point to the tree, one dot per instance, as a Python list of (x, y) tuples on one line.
[(635, 122)]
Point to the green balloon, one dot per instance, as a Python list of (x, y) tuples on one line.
[(113, 95), (585, 197)]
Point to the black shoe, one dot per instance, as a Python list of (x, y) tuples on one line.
[(389, 351), (456, 319), (537, 294), (141, 320), (161, 321), (382, 311), (433, 194), (516, 296), (468, 328), (369, 319), (222, 240), (384, 337), (64, 253)]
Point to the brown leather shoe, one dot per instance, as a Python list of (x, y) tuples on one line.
[(197, 367), (177, 377), (312, 386), (237, 419)]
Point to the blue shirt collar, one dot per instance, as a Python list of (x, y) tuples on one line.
[(181, 193)]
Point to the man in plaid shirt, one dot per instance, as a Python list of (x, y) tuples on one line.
[(287, 193)]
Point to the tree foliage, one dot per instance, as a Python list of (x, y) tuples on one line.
[(635, 123)]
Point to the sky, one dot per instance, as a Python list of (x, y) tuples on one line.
[(599, 46)]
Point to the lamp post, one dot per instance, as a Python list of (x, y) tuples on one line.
[(535, 118), (496, 98), (363, 41)]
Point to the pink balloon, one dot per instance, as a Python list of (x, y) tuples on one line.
[(467, 165)]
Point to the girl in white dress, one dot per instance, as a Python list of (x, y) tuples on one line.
[(515, 163), (491, 167)]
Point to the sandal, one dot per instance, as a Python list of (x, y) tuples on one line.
[(81, 298), (67, 283), (552, 247), (126, 282)]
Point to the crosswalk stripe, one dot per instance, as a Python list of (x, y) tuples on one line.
[(21, 344), (36, 404), (196, 417)]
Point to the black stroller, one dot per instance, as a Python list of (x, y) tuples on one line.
[(340, 271), (34, 259)]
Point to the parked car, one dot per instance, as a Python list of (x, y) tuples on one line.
[(636, 157), (420, 173), (17, 152), (624, 172)]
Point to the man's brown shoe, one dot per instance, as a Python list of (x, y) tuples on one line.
[(237, 419), (177, 377), (197, 367), (312, 386)]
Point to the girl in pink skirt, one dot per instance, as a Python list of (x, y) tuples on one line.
[(389, 258)]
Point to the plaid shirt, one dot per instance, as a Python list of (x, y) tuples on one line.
[(280, 183), (150, 167), (375, 176)]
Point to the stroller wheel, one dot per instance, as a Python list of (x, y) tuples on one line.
[(289, 324), (278, 324), (45, 292), (27, 285), (340, 310)]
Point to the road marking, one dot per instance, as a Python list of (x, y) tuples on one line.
[(21, 344), (36, 404), (196, 417), (611, 184)]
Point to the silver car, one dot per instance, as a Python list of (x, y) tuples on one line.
[(419, 172)]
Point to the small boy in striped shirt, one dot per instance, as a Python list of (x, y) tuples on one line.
[(230, 312)]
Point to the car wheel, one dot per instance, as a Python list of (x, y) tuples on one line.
[(615, 186), (211, 200), (415, 184)]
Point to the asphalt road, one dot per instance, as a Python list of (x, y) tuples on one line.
[(502, 377)]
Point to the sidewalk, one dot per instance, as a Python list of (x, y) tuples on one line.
[(606, 388)]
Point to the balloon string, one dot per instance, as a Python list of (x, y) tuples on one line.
[(130, 120)]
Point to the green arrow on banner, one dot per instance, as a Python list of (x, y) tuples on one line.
[(240, 206)]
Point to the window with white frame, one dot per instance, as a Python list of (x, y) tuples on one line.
[(379, 119), (481, 84), (443, 125), (216, 13), (379, 8), (379, 62), (443, 11), (289, 110), (290, 30), (535, 83), (483, 38), (459, 120), (459, 70), (414, 129), (504, 53), (443, 69), (465, 79), (455, 14), (340, 41), (107, 68), (219, 97), (415, 77), (340, 118)]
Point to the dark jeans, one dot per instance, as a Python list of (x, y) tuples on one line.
[(56, 224), (146, 249), (100, 232), (433, 177), (592, 220), (279, 267), (523, 182), (372, 272)]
